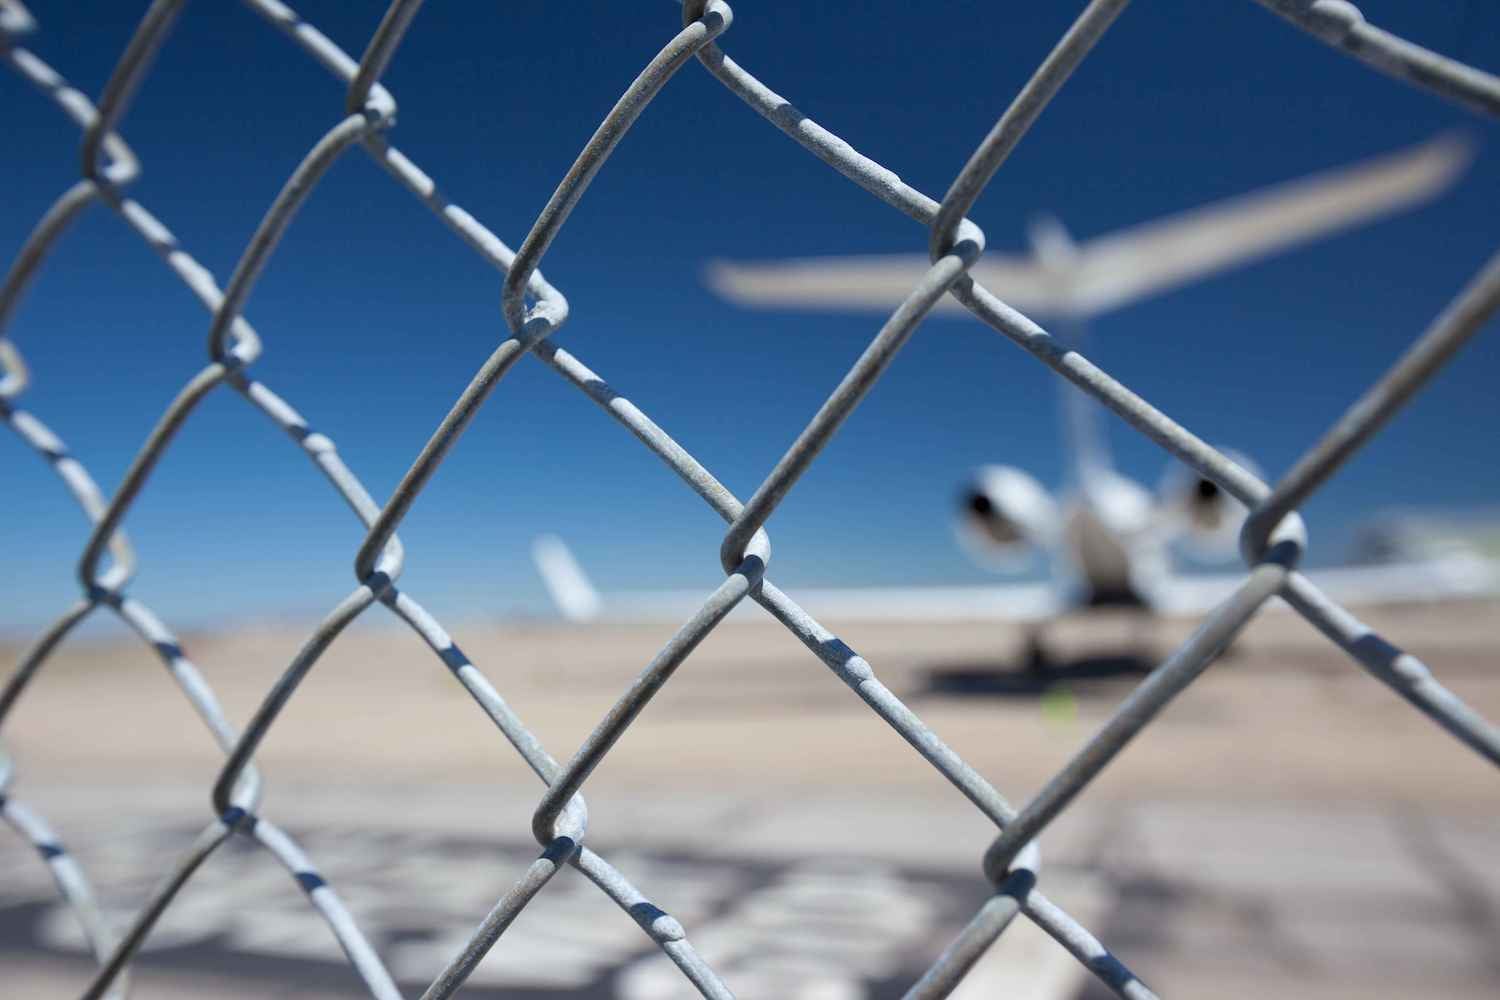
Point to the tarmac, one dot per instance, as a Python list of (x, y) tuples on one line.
[(1287, 827)]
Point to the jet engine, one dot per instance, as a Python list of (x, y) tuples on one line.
[(1004, 516), (1205, 516)]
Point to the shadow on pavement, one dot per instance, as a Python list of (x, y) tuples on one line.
[(999, 679)]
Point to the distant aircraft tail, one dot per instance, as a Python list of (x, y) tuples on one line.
[(570, 589)]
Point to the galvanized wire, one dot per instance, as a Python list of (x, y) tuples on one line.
[(1272, 541)]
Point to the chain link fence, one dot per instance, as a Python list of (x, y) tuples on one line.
[(534, 310)]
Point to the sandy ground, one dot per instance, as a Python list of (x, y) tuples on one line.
[(1287, 826)]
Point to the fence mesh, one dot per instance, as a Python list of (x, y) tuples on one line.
[(534, 310)]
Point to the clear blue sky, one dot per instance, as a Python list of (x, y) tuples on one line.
[(375, 317)]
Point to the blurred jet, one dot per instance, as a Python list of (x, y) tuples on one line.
[(1109, 540)]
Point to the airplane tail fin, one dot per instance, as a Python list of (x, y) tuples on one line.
[(575, 597)]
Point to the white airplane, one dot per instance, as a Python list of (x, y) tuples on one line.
[(1108, 538)]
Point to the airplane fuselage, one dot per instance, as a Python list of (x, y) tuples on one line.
[(1108, 549), (1100, 559)]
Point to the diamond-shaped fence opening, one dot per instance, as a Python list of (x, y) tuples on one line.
[(534, 310)]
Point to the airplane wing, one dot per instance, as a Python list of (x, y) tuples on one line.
[(1122, 267), (1443, 578), (1148, 259), (578, 601), (877, 282)]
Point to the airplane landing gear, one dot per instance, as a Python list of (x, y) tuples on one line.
[(1035, 658)]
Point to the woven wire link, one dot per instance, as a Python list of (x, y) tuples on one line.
[(1272, 541)]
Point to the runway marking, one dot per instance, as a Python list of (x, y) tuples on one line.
[(842, 930)]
